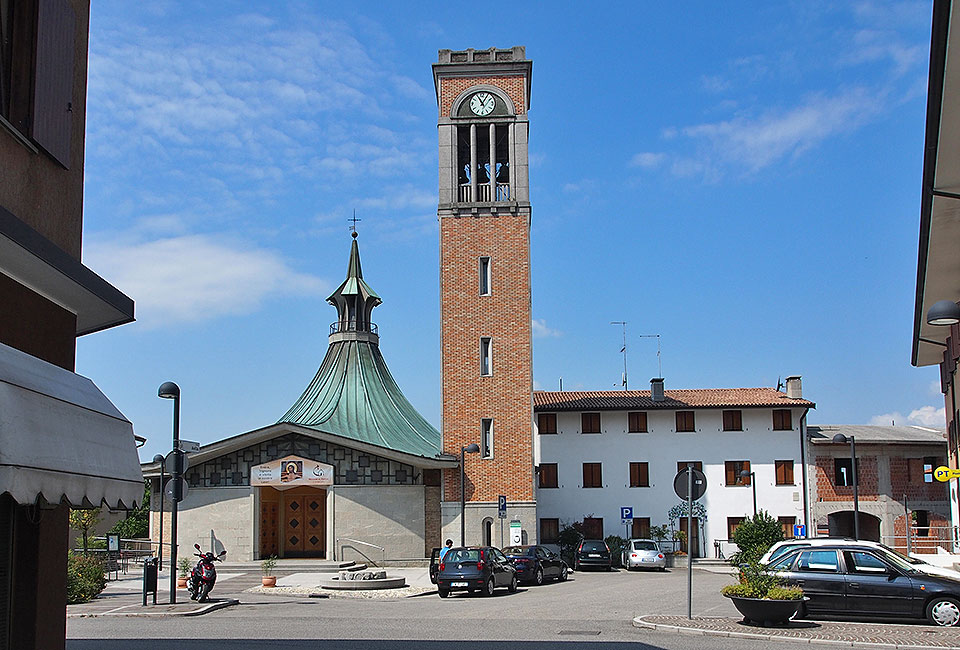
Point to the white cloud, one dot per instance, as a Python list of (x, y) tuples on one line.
[(927, 416), (194, 278), (647, 160), (756, 142), (541, 330)]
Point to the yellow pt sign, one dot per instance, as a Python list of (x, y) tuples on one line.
[(944, 474)]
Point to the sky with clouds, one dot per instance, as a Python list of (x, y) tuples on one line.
[(741, 179)]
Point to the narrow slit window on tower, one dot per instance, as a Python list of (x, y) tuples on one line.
[(486, 438), (484, 276), (486, 353)]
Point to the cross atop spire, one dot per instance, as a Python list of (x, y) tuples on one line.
[(353, 226)]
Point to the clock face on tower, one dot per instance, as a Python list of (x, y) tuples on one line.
[(482, 104)]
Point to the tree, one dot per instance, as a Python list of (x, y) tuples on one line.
[(85, 521), (755, 536), (137, 523)]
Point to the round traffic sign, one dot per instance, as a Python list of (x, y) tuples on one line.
[(171, 486), (170, 460), (699, 483)]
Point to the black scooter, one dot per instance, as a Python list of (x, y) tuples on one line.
[(204, 575)]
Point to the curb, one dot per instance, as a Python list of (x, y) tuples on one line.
[(199, 611), (692, 631)]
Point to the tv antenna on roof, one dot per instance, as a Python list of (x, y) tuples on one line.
[(656, 336), (623, 324)]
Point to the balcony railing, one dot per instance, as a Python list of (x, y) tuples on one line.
[(353, 326), (464, 195)]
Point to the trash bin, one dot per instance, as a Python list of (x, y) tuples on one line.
[(150, 579)]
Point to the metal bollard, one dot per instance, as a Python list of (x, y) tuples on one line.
[(150, 579)]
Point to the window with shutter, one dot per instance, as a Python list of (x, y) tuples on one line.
[(640, 528), (53, 82), (590, 422), (733, 420), (637, 422), (784, 472), (782, 420), (549, 531), (548, 475), (592, 475), (685, 422), (546, 423), (733, 469), (639, 475)]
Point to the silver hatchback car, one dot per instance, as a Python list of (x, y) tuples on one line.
[(643, 554)]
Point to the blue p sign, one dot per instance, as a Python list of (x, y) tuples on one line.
[(626, 512), (502, 503)]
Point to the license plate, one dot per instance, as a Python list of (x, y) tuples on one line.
[(646, 559), (458, 584), (594, 555)]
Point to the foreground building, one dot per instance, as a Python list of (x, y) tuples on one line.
[(601, 451), (895, 476), (62, 443), (350, 471), (938, 275)]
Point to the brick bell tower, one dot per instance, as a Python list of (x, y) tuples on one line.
[(485, 310)]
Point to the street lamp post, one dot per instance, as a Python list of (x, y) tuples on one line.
[(159, 459), (745, 473), (169, 390), (472, 448), (842, 439)]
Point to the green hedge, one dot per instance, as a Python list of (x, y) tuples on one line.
[(85, 578)]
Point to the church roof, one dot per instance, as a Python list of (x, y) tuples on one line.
[(353, 394)]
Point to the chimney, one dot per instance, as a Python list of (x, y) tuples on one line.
[(656, 389), (794, 389)]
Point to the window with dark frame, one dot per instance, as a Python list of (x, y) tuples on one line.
[(732, 524), (787, 523), (682, 465), (640, 528), (486, 438), (593, 527), (592, 475), (685, 422), (590, 423), (782, 420), (546, 423), (548, 475), (733, 469), (733, 420), (639, 474), (930, 463), (484, 276), (637, 422), (486, 345), (784, 471), (842, 472), (549, 530)]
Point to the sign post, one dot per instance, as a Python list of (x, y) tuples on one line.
[(690, 484), (626, 518), (502, 514)]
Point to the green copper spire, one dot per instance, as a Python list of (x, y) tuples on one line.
[(353, 394)]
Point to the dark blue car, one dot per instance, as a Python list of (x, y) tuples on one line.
[(535, 564)]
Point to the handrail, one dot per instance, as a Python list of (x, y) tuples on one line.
[(383, 551)]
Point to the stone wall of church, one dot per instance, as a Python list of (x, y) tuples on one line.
[(391, 517), (351, 467)]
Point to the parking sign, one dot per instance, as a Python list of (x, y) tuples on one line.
[(626, 514), (502, 506)]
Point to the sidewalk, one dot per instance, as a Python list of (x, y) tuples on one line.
[(856, 635), (124, 597)]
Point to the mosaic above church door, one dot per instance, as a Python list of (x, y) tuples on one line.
[(304, 522)]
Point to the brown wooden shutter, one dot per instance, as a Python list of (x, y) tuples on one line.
[(53, 86), (644, 475)]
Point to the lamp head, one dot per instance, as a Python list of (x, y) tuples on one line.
[(168, 390), (158, 458), (841, 439), (744, 473), (472, 448), (944, 312)]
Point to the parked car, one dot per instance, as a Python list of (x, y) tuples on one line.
[(782, 548), (862, 580), (475, 568), (593, 552), (643, 554), (536, 564)]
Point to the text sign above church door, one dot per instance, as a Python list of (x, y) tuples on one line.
[(292, 471)]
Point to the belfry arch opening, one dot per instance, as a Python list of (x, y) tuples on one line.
[(483, 162)]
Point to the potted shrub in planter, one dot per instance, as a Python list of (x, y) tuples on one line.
[(183, 572), (266, 568), (762, 598)]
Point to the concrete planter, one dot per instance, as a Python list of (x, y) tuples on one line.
[(678, 561)]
